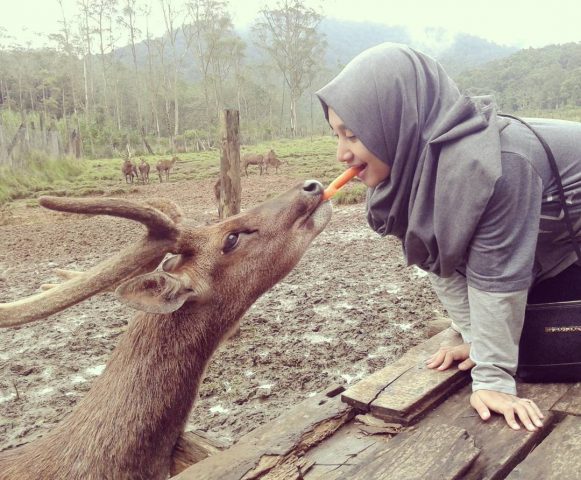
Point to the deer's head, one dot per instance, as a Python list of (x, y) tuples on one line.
[(229, 264)]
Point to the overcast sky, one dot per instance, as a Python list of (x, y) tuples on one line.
[(513, 22)]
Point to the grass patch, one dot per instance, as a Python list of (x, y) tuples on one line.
[(39, 174), (302, 158), (351, 194), (568, 113)]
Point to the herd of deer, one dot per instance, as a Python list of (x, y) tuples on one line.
[(128, 423), (261, 161), (131, 170)]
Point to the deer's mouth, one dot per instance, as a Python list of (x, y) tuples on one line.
[(318, 217)]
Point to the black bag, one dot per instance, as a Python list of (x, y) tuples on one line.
[(550, 344)]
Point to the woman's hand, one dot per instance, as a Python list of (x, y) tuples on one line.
[(446, 356), (483, 401)]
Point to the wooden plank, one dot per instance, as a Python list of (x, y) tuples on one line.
[(415, 392), (335, 456), (276, 444), (570, 402), (559, 456), (502, 447), (365, 392), (191, 448), (442, 452)]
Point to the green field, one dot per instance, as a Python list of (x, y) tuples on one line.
[(308, 158)]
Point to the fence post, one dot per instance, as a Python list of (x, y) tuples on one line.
[(230, 187)]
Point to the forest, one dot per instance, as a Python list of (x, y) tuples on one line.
[(86, 96), (106, 86)]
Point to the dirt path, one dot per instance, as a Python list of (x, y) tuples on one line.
[(349, 307)]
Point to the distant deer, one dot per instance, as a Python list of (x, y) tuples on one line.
[(164, 166), (128, 423), (271, 160), (252, 159), (144, 171), (217, 193), (129, 170)]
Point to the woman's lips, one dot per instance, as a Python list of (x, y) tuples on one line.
[(362, 172)]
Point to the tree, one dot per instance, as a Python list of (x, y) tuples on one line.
[(102, 14), (171, 16), (288, 34), (217, 50)]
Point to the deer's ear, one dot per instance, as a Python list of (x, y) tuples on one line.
[(155, 292)]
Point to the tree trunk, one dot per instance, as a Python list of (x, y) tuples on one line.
[(145, 142), (18, 135), (230, 187)]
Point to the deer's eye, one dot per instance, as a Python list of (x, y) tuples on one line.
[(230, 242)]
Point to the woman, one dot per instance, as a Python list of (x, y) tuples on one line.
[(471, 197)]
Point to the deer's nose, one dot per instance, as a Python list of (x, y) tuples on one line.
[(313, 187)]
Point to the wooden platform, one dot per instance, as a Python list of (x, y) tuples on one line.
[(405, 422)]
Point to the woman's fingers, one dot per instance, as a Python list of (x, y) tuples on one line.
[(448, 360), (512, 407), (479, 406), (446, 356), (533, 411), (466, 364), (436, 360), (510, 419)]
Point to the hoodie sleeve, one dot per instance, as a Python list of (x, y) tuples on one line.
[(453, 293), (497, 319)]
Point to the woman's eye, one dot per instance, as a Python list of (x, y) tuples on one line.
[(230, 242)]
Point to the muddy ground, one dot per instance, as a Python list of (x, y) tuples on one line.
[(347, 309)]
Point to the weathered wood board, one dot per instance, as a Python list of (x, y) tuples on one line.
[(502, 448), (570, 402), (348, 446), (278, 446), (404, 390), (442, 452), (557, 457), (192, 447)]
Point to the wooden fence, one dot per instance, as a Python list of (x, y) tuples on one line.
[(17, 143)]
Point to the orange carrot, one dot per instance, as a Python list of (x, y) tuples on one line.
[(341, 180)]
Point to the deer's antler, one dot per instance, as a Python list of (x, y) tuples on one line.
[(163, 231)]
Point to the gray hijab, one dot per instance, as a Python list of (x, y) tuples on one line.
[(443, 149)]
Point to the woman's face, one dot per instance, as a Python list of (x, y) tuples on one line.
[(351, 151)]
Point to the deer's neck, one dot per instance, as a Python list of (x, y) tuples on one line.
[(135, 412)]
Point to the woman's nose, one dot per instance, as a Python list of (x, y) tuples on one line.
[(343, 154)]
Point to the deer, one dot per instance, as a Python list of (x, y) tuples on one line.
[(165, 166), (129, 170), (217, 192), (271, 160), (128, 423), (144, 171), (252, 159)]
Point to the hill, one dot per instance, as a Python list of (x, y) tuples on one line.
[(345, 39), (456, 52), (547, 78)]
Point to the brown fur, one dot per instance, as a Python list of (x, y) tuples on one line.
[(144, 171), (165, 166), (129, 170), (128, 423), (271, 160), (252, 159)]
